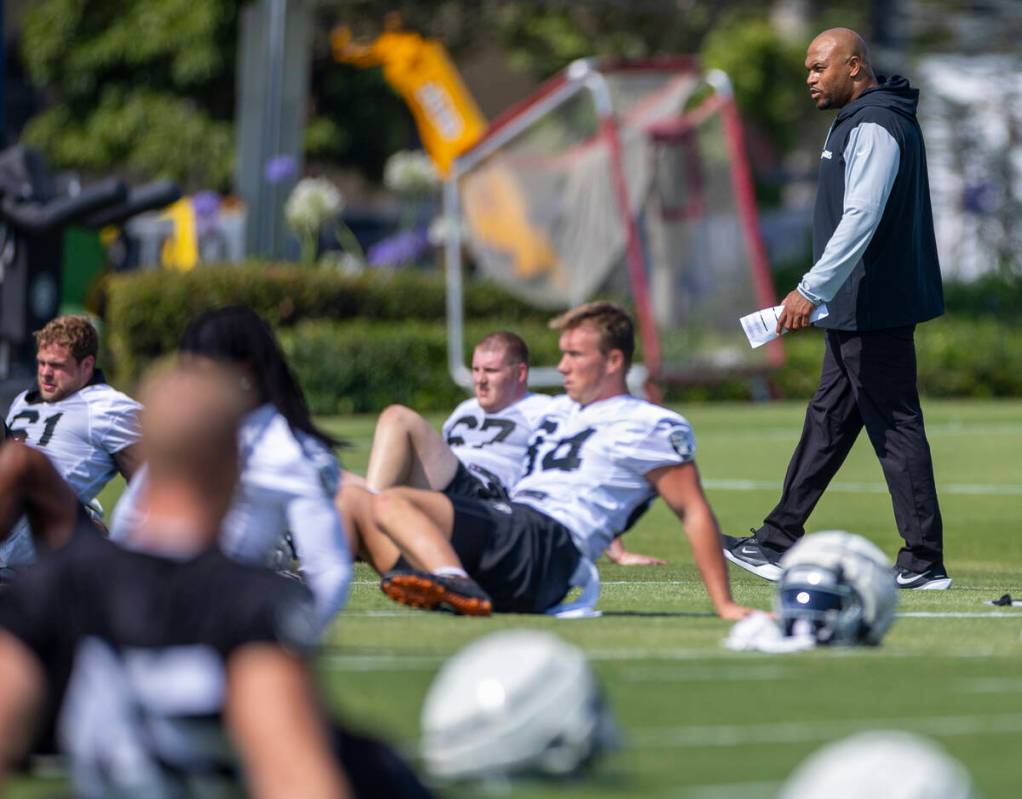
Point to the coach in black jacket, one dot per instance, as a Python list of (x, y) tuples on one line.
[(876, 268)]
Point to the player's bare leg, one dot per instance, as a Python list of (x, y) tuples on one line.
[(408, 451), (29, 484), (367, 541), (420, 523)]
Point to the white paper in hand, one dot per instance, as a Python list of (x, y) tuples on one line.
[(761, 326)]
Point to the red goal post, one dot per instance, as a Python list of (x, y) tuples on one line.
[(619, 178)]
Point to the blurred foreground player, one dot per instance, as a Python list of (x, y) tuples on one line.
[(31, 488), (180, 670), (289, 474)]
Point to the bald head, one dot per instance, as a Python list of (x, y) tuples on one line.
[(837, 63), (190, 431)]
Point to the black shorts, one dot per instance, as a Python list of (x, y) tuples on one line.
[(474, 482), (523, 559)]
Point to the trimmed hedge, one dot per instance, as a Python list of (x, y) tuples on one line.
[(956, 357), (361, 367), (147, 312), (361, 343)]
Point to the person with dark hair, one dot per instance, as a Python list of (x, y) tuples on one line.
[(877, 269), (289, 474), (87, 429), (178, 671), (597, 458)]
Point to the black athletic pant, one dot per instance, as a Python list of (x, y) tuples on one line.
[(868, 380)]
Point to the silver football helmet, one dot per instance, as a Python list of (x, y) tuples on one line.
[(880, 763), (517, 701), (838, 587)]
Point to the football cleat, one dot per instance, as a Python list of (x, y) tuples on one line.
[(421, 589), (752, 556)]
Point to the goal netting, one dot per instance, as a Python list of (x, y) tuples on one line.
[(624, 179)]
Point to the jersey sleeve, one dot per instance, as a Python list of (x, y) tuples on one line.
[(126, 513), (456, 414), (115, 422), (667, 441), (535, 407), (322, 549)]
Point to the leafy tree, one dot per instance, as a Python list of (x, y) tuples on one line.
[(146, 85), (767, 74)]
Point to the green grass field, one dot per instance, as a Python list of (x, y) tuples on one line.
[(699, 721)]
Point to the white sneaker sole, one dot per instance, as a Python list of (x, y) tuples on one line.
[(768, 571), (935, 585)]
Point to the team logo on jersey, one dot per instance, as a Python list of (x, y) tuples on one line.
[(681, 442), (827, 154), (503, 507)]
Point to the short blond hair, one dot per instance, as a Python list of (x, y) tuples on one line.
[(611, 322), (77, 333)]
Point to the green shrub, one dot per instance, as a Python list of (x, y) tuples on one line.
[(361, 366), (957, 357), (361, 343), (146, 313)]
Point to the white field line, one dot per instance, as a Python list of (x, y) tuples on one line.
[(991, 685), (933, 430), (724, 674), (967, 489), (951, 614), (728, 790), (732, 735), (397, 661), (613, 583)]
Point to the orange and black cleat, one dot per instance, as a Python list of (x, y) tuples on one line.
[(420, 589)]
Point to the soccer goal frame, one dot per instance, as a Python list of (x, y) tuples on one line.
[(590, 76)]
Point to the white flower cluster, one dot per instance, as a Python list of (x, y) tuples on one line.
[(312, 202), (443, 228), (410, 172)]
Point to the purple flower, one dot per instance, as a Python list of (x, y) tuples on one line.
[(206, 206), (401, 248), (280, 168)]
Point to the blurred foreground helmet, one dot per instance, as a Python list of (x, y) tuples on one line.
[(518, 701), (888, 764), (838, 587)]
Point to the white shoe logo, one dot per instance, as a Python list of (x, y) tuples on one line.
[(902, 579)]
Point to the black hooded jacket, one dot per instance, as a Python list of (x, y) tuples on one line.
[(897, 280)]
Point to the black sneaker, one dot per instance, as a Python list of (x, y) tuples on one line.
[(419, 589), (753, 556), (934, 579)]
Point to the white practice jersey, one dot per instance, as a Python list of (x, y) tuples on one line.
[(586, 465), (494, 443), (80, 434), (288, 482)]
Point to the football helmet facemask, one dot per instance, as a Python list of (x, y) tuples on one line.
[(837, 587)]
